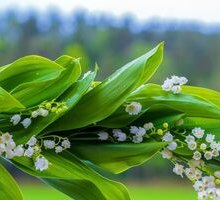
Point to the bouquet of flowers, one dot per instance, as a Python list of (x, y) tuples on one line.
[(62, 127)]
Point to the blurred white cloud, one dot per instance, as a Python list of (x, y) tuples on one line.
[(201, 10)]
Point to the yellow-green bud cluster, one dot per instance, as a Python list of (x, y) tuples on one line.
[(55, 107)]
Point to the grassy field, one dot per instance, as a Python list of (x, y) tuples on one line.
[(138, 193)]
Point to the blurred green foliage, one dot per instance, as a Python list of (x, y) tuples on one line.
[(110, 42), (31, 192)]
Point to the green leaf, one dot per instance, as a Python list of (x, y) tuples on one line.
[(205, 93), (77, 90), (49, 89), (28, 69), (71, 176), (151, 95), (9, 189), (159, 114), (117, 157), (66, 186), (8, 103), (105, 98)]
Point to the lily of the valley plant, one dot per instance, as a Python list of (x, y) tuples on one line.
[(62, 127)]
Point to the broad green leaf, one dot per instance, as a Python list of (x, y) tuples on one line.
[(205, 93), (9, 190), (80, 188), (71, 176), (71, 96), (105, 98), (28, 69), (8, 103), (49, 89), (157, 114), (117, 157), (152, 95), (3, 67)]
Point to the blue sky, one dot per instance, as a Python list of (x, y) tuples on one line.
[(199, 10)]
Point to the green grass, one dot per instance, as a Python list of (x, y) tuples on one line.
[(163, 193), (36, 192)]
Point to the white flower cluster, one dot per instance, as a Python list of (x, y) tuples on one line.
[(168, 137), (32, 149), (26, 122), (148, 126), (42, 111), (136, 134), (8, 148), (118, 135), (204, 185), (102, 135), (174, 84), (207, 149), (62, 144), (16, 119), (191, 171), (167, 154), (134, 108), (41, 163), (206, 188)]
